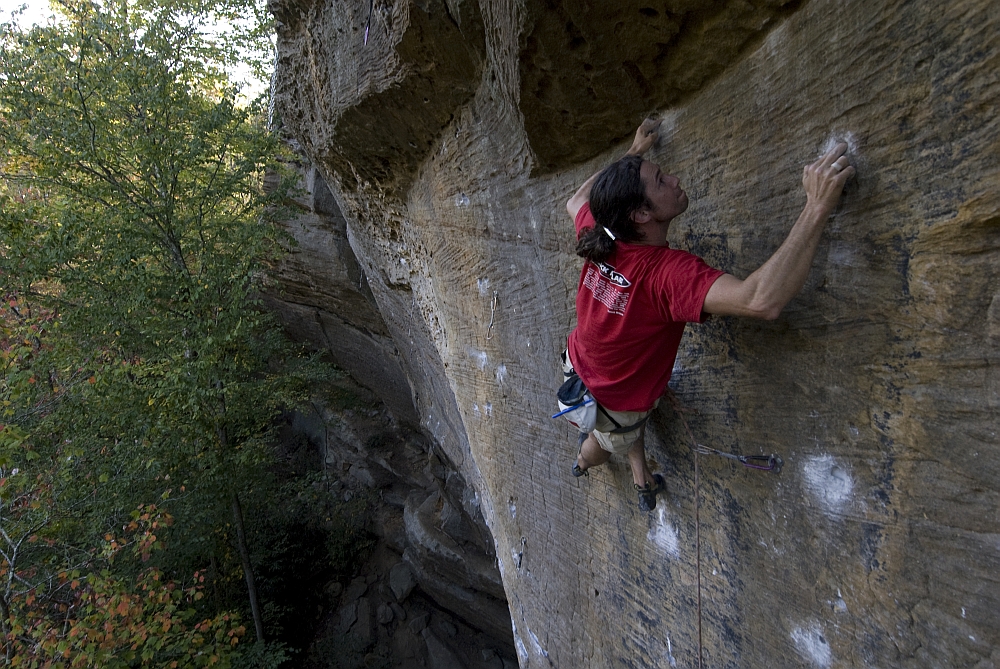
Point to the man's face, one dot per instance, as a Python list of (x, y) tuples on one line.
[(666, 199)]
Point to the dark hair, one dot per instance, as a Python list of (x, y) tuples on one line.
[(617, 193)]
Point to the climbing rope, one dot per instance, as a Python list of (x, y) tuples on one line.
[(697, 545), (679, 408), (767, 463)]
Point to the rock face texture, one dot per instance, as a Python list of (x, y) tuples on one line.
[(450, 142)]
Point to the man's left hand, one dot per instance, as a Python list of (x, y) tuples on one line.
[(645, 136)]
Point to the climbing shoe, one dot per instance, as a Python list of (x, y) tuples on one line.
[(648, 493)]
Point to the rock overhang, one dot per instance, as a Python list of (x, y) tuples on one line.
[(877, 385)]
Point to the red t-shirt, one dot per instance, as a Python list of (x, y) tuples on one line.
[(631, 311)]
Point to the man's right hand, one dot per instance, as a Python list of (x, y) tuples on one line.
[(824, 180), (766, 291)]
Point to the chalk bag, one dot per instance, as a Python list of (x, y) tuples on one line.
[(576, 404)]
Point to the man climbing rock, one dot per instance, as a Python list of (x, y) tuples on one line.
[(636, 293)]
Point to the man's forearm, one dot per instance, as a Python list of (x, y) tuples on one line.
[(781, 277), (581, 196), (765, 293)]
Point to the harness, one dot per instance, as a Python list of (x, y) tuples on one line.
[(573, 394)]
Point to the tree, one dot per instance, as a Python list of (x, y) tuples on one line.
[(98, 620), (137, 233)]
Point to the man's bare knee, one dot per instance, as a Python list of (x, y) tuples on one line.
[(592, 453)]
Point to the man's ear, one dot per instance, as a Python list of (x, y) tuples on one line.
[(641, 216)]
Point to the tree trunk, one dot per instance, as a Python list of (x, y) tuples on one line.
[(258, 622), (8, 647), (241, 537)]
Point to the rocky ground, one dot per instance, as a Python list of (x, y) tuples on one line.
[(382, 619), (429, 593)]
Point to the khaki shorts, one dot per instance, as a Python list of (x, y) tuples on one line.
[(613, 442)]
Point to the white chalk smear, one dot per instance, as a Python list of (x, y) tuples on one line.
[(461, 200), (479, 356), (501, 373), (841, 254), (840, 606), (522, 652), (476, 412), (664, 534), (538, 646), (829, 483), (838, 136), (812, 646), (489, 409), (484, 286)]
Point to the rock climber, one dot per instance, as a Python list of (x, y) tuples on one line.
[(636, 294)]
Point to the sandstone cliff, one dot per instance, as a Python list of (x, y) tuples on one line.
[(450, 142)]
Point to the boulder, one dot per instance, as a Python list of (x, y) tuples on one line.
[(383, 614), (401, 581), (439, 655), (418, 622)]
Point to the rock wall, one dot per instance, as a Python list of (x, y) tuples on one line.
[(429, 519), (450, 142)]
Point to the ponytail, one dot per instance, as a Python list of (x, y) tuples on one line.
[(617, 193), (594, 244)]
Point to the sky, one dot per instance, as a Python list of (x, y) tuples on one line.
[(38, 11)]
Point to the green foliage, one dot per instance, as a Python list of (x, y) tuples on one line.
[(146, 234), (93, 618), (138, 363), (270, 655)]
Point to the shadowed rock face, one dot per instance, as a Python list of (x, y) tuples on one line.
[(877, 545), (393, 95), (596, 67)]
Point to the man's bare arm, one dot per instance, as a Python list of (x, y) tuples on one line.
[(645, 137), (765, 293)]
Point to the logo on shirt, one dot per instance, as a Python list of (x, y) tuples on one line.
[(613, 275), (608, 285)]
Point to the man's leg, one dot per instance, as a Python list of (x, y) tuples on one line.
[(591, 454), (637, 459)]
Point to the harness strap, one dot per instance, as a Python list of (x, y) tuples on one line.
[(571, 371), (619, 429)]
